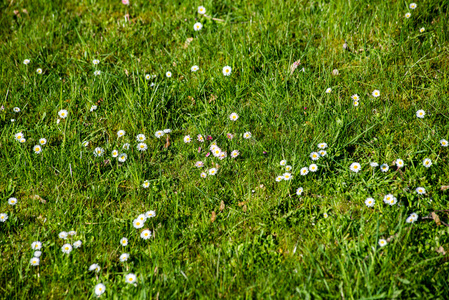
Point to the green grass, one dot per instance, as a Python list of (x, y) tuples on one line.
[(238, 234)]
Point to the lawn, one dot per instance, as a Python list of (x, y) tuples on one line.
[(224, 149)]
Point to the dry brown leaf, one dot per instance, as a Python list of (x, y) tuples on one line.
[(444, 187), (167, 144), (244, 208), (294, 66), (222, 205), (187, 42), (214, 216), (441, 250), (37, 197), (241, 203), (212, 98), (126, 72), (436, 218)]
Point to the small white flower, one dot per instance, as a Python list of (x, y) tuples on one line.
[(130, 278), (322, 153), (370, 202), (36, 245), (443, 143), (355, 97), (37, 253), (421, 190), (299, 191), (12, 201), (201, 10), (283, 162), (200, 138), (304, 171), (66, 248), (167, 130), (3, 217), (212, 171), (93, 107), (150, 214), (77, 244), (125, 146), (325, 215), (187, 139), (85, 143), (142, 146), (124, 257), (427, 162), (124, 242), (145, 184), (287, 176), (98, 151), (235, 153), (138, 223), (34, 261), (314, 156), (355, 167), (168, 74), (16, 109), (199, 164), (23, 140), (288, 168), (97, 72), (63, 235), (114, 153), (147, 76), (194, 68), (141, 137), (408, 15), (279, 178), (384, 168), (422, 29), (95, 61), (355, 103), (72, 232), (322, 146), (412, 5), (146, 234), (390, 199), (399, 163), (203, 175), (234, 117), (382, 242), (122, 157), (313, 168), (328, 90), (37, 149), (39, 71), (58, 121), (227, 70), (197, 26), (43, 141), (376, 93), (63, 113), (247, 135), (99, 289), (94, 267), (159, 134), (420, 114), (373, 164), (18, 136), (13, 120), (26, 61)]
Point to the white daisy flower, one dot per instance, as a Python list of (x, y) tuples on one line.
[(355, 167), (130, 278), (114, 153), (125, 146), (283, 162), (12, 201), (146, 234), (328, 90), (355, 97), (13, 120), (168, 74), (16, 109), (194, 68), (43, 141), (287, 176), (124, 242), (373, 164), (422, 29), (227, 70), (3, 217), (299, 191), (355, 103), (201, 10), (18, 136), (145, 184), (199, 164), (142, 146), (37, 149), (98, 151), (304, 171), (124, 257), (384, 168), (247, 135), (421, 190), (212, 171), (234, 117), (427, 162), (187, 139), (77, 244), (138, 223), (167, 130), (93, 107), (325, 215), (313, 168), (322, 145), (37, 253), (97, 72), (159, 134), (34, 261), (314, 156), (376, 93), (235, 153), (95, 61), (443, 143), (399, 163), (141, 137), (85, 143), (147, 76), (420, 114), (288, 168), (200, 138), (279, 178), (142, 217), (150, 214), (23, 141), (39, 71), (197, 26), (94, 267), (99, 289), (322, 152), (63, 235), (203, 175), (414, 216), (122, 157), (26, 61), (36, 245), (412, 5), (382, 242), (72, 232), (388, 198), (63, 113), (230, 136), (408, 15), (370, 202), (66, 248)]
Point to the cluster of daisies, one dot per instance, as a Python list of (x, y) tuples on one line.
[(408, 15)]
